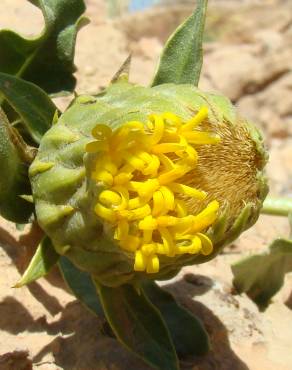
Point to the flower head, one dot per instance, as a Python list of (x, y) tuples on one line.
[(140, 169), (138, 182)]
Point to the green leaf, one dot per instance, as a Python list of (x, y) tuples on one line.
[(261, 276), (81, 285), (187, 332), (123, 72), (43, 260), (14, 177), (47, 60), (138, 325), (33, 105), (182, 57)]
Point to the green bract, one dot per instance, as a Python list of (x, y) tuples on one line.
[(65, 195)]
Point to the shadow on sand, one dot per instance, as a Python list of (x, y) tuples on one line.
[(81, 343)]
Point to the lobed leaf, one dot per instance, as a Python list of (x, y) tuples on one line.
[(43, 260), (138, 325), (261, 276), (187, 332), (182, 57), (46, 60)]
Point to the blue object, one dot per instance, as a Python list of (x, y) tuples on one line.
[(136, 5)]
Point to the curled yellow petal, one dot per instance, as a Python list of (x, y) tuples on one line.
[(130, 243), (140, 261), (152, 265), (207, 246), (108, 198), (101, 132), (106, 213), (122, 230), (197, 119), (142, 168)]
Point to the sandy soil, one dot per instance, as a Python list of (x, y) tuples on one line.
[(248, 58)]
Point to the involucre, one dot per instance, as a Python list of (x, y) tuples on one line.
[(137, 182)]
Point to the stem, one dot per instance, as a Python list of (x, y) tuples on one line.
[(278, 206)]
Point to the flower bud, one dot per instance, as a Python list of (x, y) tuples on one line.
[(138, 182)]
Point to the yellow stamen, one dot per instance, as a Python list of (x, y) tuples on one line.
[(169, 116), (158, 129), (130, 243), (136, 203), (167, 148), (124, 197), (149, 223), (103, 176), (187, 190), (206, 217), (172, 175), (147, 237), (152, 166), (96, 146), (106, 213), (152, 265), (122, 178), (101, 132), (148, 249), (141, 169), (108, 198), (197, 119), (158, 204), (168, 241), (184, 224), (140, 261), (207, 246), (138, 213), (181, 208), (110, 167), (201, 138), (168, 197), (143, 189), (135, 161), (122, 230), (167, 163), (194, 246), (166, 221)]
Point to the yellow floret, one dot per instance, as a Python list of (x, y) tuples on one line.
[(141, 168)]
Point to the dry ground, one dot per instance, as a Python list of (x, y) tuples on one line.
[(248, 58)]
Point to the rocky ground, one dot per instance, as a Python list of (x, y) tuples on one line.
[(248, 55)]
